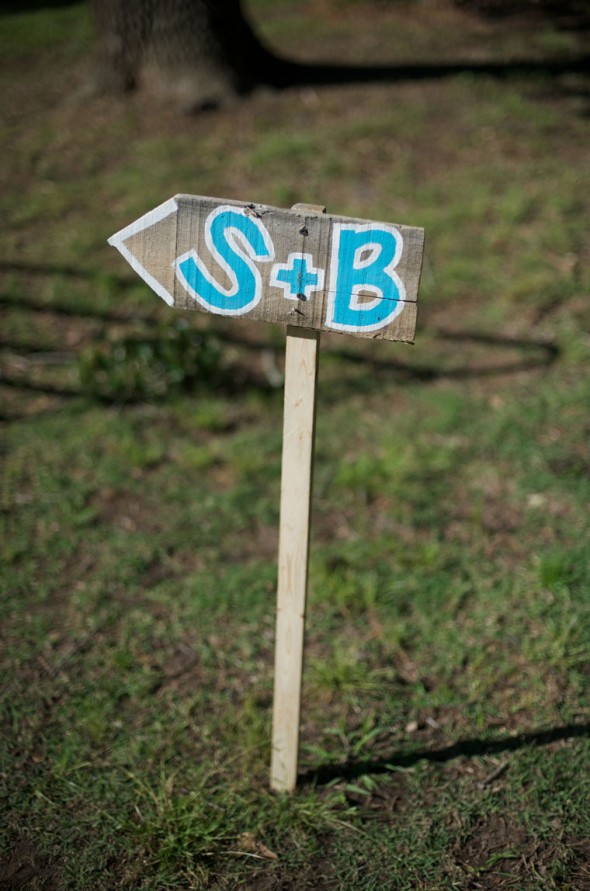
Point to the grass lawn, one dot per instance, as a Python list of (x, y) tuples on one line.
[(445, 738)]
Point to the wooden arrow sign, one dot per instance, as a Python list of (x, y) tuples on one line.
[(312, 272), (305, 269)]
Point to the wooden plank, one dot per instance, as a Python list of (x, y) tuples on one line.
[(301, 369), (289, 267)]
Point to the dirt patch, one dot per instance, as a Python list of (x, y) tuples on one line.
[(492, 841), (316, 877), (498, 853), (125, 510), (580, 868), (25, 869)]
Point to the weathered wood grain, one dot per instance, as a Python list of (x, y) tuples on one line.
[(154, 244), (301, 369)]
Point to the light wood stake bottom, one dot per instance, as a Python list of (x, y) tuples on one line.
[(301, 368)]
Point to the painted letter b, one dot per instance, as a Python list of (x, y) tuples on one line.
[(365, 293)]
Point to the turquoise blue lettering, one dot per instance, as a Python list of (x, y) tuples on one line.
[(235, 240), (363, 260)]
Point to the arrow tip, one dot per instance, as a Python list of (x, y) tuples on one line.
[(147, 221)]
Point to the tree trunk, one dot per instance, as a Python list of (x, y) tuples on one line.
[(200, 53), (203, 53)]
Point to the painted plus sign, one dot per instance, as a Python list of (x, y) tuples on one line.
[(297, 277)]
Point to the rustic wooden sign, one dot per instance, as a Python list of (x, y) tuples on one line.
[(290, 267), (312, 272)]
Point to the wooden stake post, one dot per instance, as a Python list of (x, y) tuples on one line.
[(311, 272), (301, 367), (302, 353)]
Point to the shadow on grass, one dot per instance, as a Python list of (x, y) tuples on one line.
[(468, 748), (531, 353), (295, 74), (566, 14), (544, 354)]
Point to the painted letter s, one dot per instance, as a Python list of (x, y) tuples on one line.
[(235, 241)]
